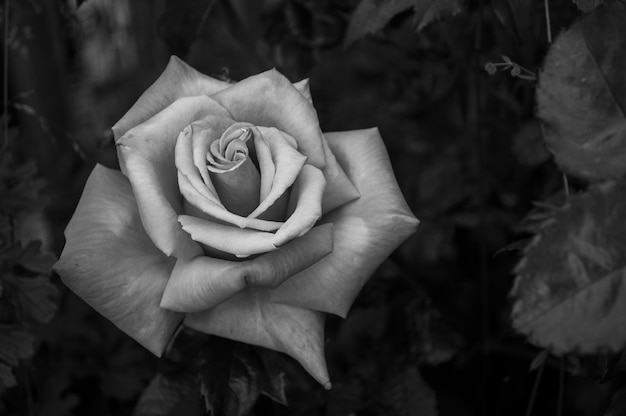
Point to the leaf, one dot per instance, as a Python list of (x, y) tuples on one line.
[(569, 292), (15, 345), (373, 15), (432, 340), (617, 407), (168, 396), (181, 22), (406, 394), (582, 97), (36, 296), (7, 379), (427, 11), (587, 6)]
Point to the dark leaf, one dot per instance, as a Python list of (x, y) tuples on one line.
[(166, 396), (432, 340), (539, 360), (427, 11), (406, 394), (582, 97), (617, 407), (373, 15), (14, 346), (36, 296), (181, 23), (569, 292), (54, 399), (272, 375), (7, 379)]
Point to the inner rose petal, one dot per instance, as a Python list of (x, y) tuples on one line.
[(234, 175)]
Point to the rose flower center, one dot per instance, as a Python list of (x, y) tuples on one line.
[(236, 178)]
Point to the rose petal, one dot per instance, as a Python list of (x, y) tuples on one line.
[(269, 99), (287, 163), (178, 80), (146, 154), (205, 282), (339, 189), (249, 317), (303, 87), (306, 204), (110, 262), (366, 230), (226, 238), (215, 210), (192, 146)]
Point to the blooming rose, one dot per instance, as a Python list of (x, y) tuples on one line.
[(234, 215)]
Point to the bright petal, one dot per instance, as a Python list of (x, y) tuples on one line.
[(226, 238), (205, 282), (339, 189), (306, 204), (215, 210), (287, 162), (110, 262), (178, 80), (303, 87), (249, 317), (147, 155), (366, 230), (269, 99)]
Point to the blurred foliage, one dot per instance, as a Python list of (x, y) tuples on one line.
[(456, 89)]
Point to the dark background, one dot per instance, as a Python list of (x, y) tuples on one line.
[(430, 332)]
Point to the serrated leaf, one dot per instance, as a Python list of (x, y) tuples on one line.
[(14, 346), (36, 295), (165, 394), (427, 11), (569, 292), (407, 394), (373, 15), (582, 95)]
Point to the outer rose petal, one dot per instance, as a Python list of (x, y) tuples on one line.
[(366, 230), (178, 80), (147, 155), (249, 317), (205, 282), (110, 262), (269, 99)]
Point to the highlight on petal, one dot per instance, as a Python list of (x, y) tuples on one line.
[(178, 80), (147, 158), (110, 262), (204, 282), (366, 230), (269, 99), (226, 238), (249, 317)]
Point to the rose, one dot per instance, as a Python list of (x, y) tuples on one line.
[(234, 214)]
